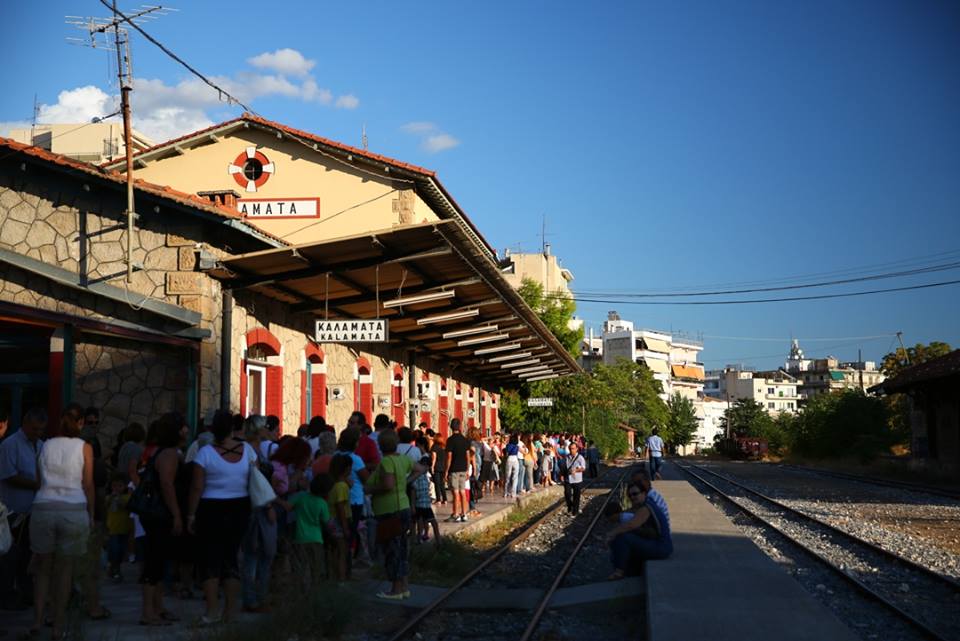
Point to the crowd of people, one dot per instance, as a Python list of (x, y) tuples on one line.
[(242, 509)]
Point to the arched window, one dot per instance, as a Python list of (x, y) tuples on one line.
[(425, 414), (261, 381), (313, 384)]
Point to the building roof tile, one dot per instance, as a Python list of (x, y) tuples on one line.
[(942, 367)]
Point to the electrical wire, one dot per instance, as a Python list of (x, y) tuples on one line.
[(805, 340), (903, 262), (762, 300), (844, 281), (342, 211), (220, 90)]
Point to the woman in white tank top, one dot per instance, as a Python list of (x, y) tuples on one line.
[(62, 516)]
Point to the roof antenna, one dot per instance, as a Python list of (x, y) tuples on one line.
[(363, 136), (36, 117)]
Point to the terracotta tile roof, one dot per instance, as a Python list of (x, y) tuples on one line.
[(939, 368), (248, 117), (161, 191)]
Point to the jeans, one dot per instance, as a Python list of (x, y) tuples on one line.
[(628, 550), (256, 578), (528, 479), (439, 486), (594, 470), (117, 549), (655, 463), (511, 476), (396, 560), (571, 495)]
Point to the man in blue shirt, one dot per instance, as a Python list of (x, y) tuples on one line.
[(19, 483)]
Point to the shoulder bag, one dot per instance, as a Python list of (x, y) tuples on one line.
[(147, 500), (259, 488), (390, 526)]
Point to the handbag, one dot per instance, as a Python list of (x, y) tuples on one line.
[(390, 526), (147, 500), (6, 538), (259, 488)]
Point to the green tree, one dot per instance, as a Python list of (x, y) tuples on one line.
[(897, 406), (555, 312), (682, 424), (746, 417), (842, 424), (894, 362)]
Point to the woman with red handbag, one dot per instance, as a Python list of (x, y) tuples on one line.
[(391, 507)]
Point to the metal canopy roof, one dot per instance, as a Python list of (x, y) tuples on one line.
[(352, 277)]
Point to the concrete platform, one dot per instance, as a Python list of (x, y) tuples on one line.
[(719, 586)]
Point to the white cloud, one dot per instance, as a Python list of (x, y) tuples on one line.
[(162, 111), (347, 101), (286, 61), (440, 142), (419, 127), (311, 92), (78, 105), (432, 139)]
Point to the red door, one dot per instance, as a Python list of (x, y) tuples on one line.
[(363, 389), (444, 409), (396, 396)]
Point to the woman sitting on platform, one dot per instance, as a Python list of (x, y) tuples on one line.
[(644, 537)]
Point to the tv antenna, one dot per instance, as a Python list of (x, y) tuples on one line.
[(109, 34)]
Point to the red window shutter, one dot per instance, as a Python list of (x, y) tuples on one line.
[(275, 393), (319, 398)]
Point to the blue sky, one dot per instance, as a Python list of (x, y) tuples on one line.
[(669, 145)]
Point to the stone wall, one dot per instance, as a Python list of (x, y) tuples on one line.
[(129, 381)]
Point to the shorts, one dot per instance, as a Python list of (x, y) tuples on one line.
[(458, 481), (62, 529), (425, 513)]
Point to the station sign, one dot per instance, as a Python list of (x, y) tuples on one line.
[(279, 207), (539, 402), (347, 330)]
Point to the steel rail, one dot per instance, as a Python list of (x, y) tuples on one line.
[(545, 601), (872, 480), (933, 574), (523, 535), (857, 583)]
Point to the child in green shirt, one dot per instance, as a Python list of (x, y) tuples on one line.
[(312, 512)]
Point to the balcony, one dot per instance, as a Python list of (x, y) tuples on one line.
[(782, 397)]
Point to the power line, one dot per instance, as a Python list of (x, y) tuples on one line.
[(844, 281), (763, 300), (220, 90), (904, 262), (806, 340)]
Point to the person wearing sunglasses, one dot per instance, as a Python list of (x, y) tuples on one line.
[(644, 537)]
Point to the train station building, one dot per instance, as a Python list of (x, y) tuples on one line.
[(277, 272)]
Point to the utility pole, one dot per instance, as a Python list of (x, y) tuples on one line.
[(121, 44), (906, 356)]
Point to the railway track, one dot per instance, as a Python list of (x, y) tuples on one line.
[(924, 599), (532, 619), (872, 480)]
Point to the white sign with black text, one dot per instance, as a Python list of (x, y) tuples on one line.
[(539, 402), (346, 330), (279, 208)]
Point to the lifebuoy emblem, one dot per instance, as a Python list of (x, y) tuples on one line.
[(251, 169)]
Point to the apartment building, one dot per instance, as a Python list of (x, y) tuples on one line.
[(94, 142), (823, 375), (777, 391)]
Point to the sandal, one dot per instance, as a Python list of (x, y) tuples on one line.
[(389, 596)]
